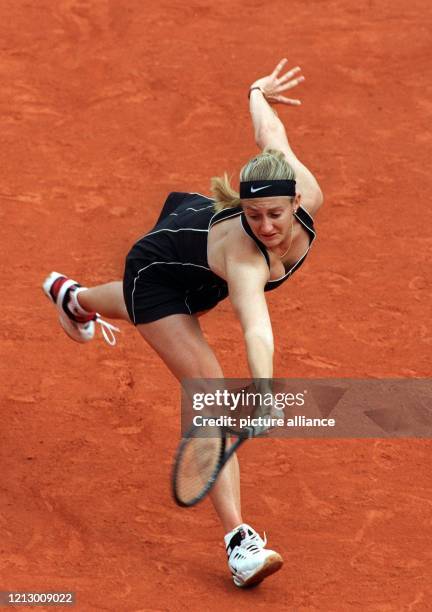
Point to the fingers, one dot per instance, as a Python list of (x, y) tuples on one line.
[(289, 85), (288, 75), (284, 100), (279, 67), (277, 84)]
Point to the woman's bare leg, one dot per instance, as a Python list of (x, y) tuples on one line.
[(106, 299), (193, 359), (180, 343)]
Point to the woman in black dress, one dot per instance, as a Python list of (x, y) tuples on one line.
[(202, 250)]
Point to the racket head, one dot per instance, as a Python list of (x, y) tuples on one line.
[(197, 464)]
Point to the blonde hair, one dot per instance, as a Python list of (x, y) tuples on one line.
[(268, 165)]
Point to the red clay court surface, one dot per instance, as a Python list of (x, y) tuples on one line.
[(106, 106)]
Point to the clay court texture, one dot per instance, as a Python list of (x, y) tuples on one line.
[(105, 107)]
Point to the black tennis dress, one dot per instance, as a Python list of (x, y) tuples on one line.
[(167, 271)]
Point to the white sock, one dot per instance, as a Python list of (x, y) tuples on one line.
[(74, 305)]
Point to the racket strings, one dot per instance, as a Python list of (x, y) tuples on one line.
[(197, 466)]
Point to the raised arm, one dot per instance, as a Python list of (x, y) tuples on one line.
[(270, 131)]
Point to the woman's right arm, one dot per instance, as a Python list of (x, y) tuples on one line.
[(270, 131), (246, 275)]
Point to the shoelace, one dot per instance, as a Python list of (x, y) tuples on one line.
[(108, 330)]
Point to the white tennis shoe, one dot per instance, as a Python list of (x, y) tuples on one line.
[(76, 322), (248, 559)]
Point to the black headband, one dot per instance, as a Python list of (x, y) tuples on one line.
[(266, 189)]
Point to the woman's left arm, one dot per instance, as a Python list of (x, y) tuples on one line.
[(270, 131)]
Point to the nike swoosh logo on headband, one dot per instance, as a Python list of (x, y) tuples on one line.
[(253, 190)]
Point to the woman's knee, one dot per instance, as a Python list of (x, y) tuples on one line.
[(180, 343)]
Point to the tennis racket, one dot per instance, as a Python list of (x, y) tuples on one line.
[(200, 459)]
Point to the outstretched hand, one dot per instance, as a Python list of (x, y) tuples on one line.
[(273, 85)]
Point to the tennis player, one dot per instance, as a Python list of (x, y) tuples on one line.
[(200, 251)]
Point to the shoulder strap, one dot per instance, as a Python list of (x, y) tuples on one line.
[(225, 213), (306, 220)]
